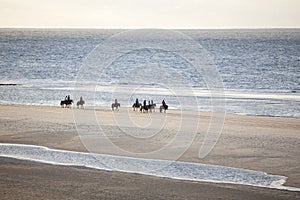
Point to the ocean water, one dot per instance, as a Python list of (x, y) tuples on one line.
[(259, 69)]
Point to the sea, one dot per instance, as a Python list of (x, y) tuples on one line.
[(257, 71)]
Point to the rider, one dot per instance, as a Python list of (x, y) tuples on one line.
[(137, 102), (164, 103)]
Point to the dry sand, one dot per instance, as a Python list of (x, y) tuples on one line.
[(266, 144)]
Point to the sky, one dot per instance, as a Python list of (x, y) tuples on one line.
[(191, 14)]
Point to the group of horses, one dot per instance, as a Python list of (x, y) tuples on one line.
[(144, 108), (148, 108), (115, 106), (68, 103)]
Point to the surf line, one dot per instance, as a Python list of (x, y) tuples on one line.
[(153, 167)]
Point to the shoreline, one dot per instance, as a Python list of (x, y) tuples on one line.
[(157, 109)]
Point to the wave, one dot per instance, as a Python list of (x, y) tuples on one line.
[(244, 102)]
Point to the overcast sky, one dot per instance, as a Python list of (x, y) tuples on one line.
[(150, 13)]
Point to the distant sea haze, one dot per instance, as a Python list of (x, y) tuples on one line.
[(260, 70)]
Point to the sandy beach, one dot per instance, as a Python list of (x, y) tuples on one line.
[(268, 144)]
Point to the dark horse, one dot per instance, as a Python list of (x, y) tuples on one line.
[(115, 105), (66, 103), (136, 106)]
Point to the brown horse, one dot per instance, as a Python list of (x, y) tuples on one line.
[(80, 103)]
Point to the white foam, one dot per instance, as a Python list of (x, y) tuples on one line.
[(159, 168)]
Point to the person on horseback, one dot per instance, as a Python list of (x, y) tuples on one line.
[(144, 106), (115, 105), (137, 102), (164, 104), (67, 102), (80, 102)]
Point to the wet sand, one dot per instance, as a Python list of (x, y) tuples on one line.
[(265, 144)]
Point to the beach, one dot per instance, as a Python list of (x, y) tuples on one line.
[(267, 144)]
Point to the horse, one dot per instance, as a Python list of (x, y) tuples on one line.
[(66, 103), (136, 106), (115, 105), (165, 108), (80, 103)]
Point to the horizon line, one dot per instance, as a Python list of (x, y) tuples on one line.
[(136, 28)]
